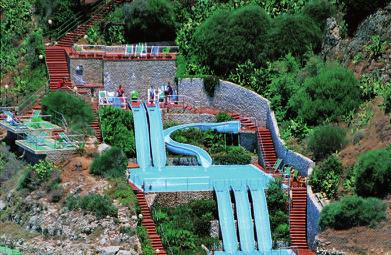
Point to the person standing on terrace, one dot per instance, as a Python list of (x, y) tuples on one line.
[(120, 91)]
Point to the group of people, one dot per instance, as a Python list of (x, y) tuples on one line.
[(164, 93)]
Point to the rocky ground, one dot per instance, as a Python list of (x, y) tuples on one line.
[(34, 225)]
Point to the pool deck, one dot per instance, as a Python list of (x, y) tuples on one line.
[(29, 126), (43, 149), (197, 178)]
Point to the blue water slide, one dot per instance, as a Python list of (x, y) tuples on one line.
[(245, 223), (186, 149), (261, 219), (156, 135), (142, 136), (226, 219)]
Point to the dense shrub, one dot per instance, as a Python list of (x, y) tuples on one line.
[(121, 191), (357, 10), (226, 38), (319, 10), (373, 173), (59, 11), (76, 111), (277, 201), (333, 93), (326, 176), (325, 140), (232, 155), (307, 35), (9, 164), (111, 163), (223, 117), (150, 20), (210, 84), (252, 77), (43, 174), (101, 206), (352, 211), (117, 129), (186, 226), (32, 46)]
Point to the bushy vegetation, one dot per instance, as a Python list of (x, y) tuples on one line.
[(151, 20), (277, 202), (352, 211), (43, 175), (9, 164), (100, 205), (326, 176), (333, 93), (223, 117), (121, 191), (117, 129), (319, 11), (77, 112), (232, 155), (214, 144), (111, 163), (373, 173), (307, 35), (226, 39), (185, 227), (325, 140)]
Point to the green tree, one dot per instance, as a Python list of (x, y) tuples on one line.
[(373, 173), (325, 140), (117, 129), (352, 211), (326, 176), (226, 38), (319, 10), (331, 94), (77, 112), (150, 20), (296, 34), (111, 163)]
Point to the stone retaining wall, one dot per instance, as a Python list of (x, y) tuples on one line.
[(185, 118), (138, 75), (227, 97), (92, 71), (234, 98), (132, 74)]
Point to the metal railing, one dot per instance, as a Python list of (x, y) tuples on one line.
[(126, 49), (29, 101), (79, 18)]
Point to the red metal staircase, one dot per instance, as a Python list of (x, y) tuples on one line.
[(266, 144), (149, 224), (298, 220)]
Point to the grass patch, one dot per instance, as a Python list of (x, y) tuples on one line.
[(15, 231), (101, 206), (121, 191)]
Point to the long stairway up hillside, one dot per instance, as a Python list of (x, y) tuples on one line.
[(298, 222), (57, 64), (149, 224), (71, 37)]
